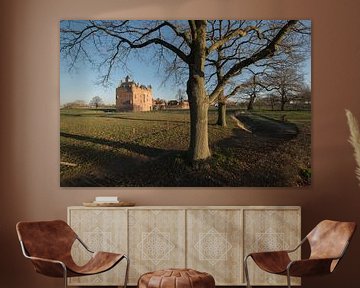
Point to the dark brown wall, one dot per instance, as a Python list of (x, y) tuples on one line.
[(29, 119)]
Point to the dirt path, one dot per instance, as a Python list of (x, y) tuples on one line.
[(263, 126)]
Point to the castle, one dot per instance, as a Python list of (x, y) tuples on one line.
[(131, 96)]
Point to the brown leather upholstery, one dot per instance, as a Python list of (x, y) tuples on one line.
[(176, 278), (329, 238), (53, 240), (328, 242), (272, 262)]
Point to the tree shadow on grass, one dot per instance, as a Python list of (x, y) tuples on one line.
[(111, 115), (244, 160), (98, 167), (95, 167), (133, 147), (149, 120), (113, 167)]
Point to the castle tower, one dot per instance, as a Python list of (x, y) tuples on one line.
[(131, 96)]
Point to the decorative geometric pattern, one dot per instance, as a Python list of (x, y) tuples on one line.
[(213, 246), (209, 239), (98, 240), (213, 212), (215, 242), (157, 241), (270, 230), (156, 246), (269, 241), (101, 230)]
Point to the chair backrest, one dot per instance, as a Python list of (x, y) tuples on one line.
[(46, 239), (329, 239)]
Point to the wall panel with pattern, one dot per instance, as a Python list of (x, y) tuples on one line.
[(101, 230), (210, 239)]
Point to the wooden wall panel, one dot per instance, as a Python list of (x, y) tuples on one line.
[(156, 240), (211, 239), (100, 230), (214, 241), (270, 230)]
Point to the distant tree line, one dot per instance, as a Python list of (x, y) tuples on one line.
[(256, 97), (96, 102)]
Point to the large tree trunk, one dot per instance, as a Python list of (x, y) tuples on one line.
[(250, 106), (221, 121), (198, 100), (282, 107), (199, 142)]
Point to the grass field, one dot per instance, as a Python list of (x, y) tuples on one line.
[(149, 149)]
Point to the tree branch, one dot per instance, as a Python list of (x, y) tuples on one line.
[(183, 35), (148, 42), (267, 51), (238, 32)]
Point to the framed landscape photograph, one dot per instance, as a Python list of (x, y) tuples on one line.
[(185, 103)]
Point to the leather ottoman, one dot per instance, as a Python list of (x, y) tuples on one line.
[(176, 278)]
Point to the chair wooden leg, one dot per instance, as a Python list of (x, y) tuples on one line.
[(246, 271)]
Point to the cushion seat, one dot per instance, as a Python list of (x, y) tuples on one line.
[(176, 278)]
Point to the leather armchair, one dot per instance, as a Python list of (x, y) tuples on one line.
[(328, 242), (48, 245)]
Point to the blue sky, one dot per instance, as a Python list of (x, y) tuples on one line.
[(81, 83)]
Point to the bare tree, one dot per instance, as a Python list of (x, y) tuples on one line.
[(191, 43), (285, 81), (252, 87), (294, 47), (96, 101)]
